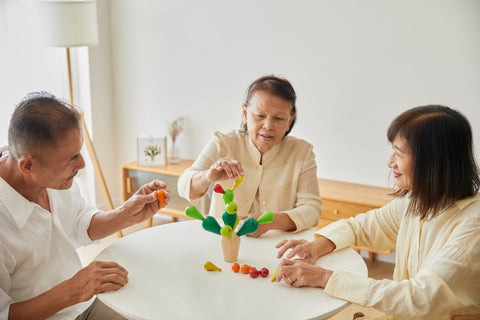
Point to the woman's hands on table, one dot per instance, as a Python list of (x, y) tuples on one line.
[(303, 249), (281, 222), (302, 271), (298, 273)]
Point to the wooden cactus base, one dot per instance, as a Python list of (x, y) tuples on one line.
[(230, 248)]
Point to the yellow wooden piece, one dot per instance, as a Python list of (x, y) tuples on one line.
[(236, 183), (209, 266), (274, 277)]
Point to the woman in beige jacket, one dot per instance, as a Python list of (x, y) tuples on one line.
[(280, 172)]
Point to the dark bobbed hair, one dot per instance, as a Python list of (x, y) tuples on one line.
[(37, 122), (276, 86), (443, 162)]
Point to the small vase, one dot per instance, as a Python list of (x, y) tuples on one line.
[(230, 247), (173, 153)]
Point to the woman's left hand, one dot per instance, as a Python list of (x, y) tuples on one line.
[(262, 227), (281, 222), (301, 274)]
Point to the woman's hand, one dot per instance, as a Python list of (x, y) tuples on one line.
[(281, 222), (224, 168), (301, 274), (303, 249), (306, 251)]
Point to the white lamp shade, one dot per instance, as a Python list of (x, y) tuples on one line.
[(67, 23)]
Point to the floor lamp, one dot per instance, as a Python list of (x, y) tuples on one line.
[(69, 24)]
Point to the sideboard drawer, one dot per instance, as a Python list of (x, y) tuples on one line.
[(336, 210)]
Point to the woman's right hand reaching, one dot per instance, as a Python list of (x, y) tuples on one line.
[(224, 168)]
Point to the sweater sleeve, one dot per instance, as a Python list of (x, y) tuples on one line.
[(308, 205), (376, 229), (425, 295)]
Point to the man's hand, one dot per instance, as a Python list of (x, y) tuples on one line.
[(144, 203), (97, 277), (141, 206)]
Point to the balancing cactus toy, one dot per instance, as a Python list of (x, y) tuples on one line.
[(230, 221), (229, 216)]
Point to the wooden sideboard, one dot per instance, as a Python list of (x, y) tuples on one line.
[(343, 200)]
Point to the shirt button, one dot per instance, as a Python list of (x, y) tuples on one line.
[(264, 202)]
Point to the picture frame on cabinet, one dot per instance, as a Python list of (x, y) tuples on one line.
[(152, 150)]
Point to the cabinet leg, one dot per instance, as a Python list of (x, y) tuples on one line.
[(149, 223)]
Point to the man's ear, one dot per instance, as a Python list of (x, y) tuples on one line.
[(26, 164)]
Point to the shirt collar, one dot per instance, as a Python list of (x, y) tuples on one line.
[(463, 203), (267, 156), (19, 208)]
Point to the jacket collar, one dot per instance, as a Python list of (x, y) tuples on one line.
[(267, 156)]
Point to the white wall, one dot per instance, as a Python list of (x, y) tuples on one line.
[(27, 66), (24, 66), (354, 64)]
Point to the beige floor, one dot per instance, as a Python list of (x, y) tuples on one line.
[(376, 269)]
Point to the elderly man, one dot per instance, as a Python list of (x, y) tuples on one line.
[(43, 219)]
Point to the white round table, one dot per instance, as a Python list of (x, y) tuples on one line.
[(167, 279)]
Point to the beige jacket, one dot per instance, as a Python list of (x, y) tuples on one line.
[(437, 263), (286, 181)]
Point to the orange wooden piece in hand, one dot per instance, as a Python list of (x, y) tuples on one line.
[(161, 197)]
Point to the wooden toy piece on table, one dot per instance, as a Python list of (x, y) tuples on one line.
[(209, 266), (230, 238)]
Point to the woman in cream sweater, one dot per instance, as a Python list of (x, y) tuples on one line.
[(280, 172), (434, 225)]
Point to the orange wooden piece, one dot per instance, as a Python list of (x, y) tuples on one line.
[(161, 197), (235, 267), (245, 268)]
